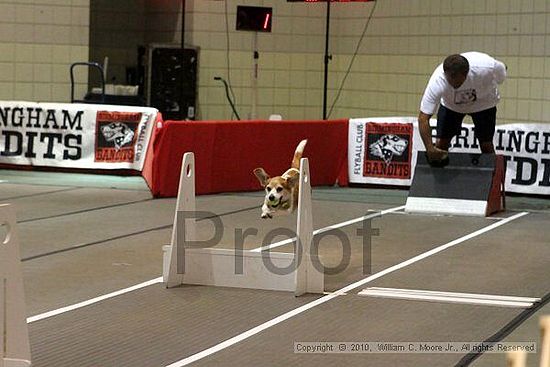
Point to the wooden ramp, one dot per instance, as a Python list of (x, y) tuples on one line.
[(471, 184)]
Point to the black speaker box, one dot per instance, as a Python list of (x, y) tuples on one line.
[(172, 82)]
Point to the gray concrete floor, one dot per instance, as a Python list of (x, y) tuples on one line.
[(83, 236)]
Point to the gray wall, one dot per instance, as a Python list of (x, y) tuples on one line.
[(404, 42), (38, 41)]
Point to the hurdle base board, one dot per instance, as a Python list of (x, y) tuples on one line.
[(443, 206), (10, 362), (216, 267)]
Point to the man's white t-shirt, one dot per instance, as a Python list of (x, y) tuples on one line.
[(478, 92)]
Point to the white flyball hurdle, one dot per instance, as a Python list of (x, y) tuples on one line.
[(519, 358), (216, 266), (516, 358), (14, 336), (545, 341)]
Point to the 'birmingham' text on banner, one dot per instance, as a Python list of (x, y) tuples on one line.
[(74, 135), (525, 147)]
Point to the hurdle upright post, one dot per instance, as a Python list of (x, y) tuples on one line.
[(173, 276), (516, 358), (545, 341), (309, 279), (14, 336)]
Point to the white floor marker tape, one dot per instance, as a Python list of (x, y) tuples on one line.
[(266, 325), (75, 306), (329, 228), (450, 297)]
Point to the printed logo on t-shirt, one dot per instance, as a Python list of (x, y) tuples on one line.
[(465, 96)]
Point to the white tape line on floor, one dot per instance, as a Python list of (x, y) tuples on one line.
[(330, 228), (75, 306)]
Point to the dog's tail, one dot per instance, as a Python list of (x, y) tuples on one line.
[(298, 154)]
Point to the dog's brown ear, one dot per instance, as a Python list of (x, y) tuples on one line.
[(262, 176), (293, 180)]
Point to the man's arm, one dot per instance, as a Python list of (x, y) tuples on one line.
[(425, 130), (500, 71), (433, 152)]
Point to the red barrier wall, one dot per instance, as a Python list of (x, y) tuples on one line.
[(226, 153)]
